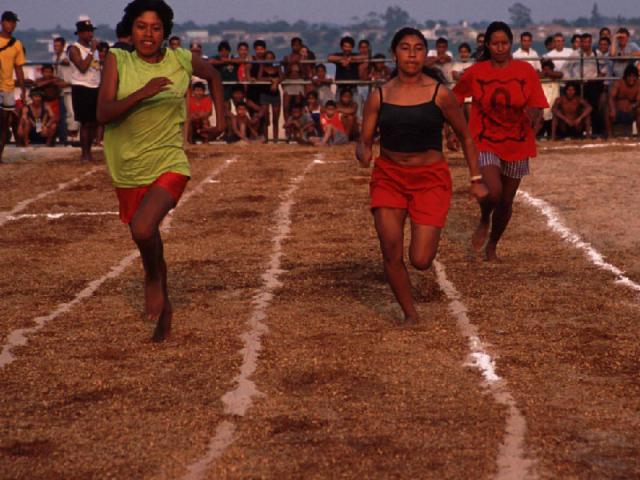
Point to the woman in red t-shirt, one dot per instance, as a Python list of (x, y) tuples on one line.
[(507, 99)]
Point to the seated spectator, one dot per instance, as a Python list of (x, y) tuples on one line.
[(200, 110), (299, 126), (50, 88), (322, 84), (551, 90), (441, 58), (37, 123), (465, 61), (526, 51), (348, 110), (624, 100), (271, 72), (571, 114), (380, 73), (293, 88), (175, 42), (314, 110), (334, 132), (242, 126)]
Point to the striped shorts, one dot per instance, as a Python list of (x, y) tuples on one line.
[(515, 169)]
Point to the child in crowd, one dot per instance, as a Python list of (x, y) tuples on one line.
[(299, 126), (200, 109), (255, 111), (314, 111), (332, 126), (348, 110), (242, 125), (307, 68), (551, 91), (38, 123), (380, 73), (271, 72), (322, 84), (293, 88)]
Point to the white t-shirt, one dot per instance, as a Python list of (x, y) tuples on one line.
[(62, 71), (560, 64), (90, 78), (520, 53), (590, 66), (434, 53)]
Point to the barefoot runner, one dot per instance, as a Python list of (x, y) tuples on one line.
[(507, 101), (142, 101), (411, 176)]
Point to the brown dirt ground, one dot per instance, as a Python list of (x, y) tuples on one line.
[(348, 393)]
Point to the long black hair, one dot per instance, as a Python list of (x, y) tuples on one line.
[(491, 29), (136, 8), (434, 73)]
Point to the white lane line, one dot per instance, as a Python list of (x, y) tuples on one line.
[(59, 215), (20, 336), (4, 216), (238, 400), (512, 461), (556, 225), (575, 146)]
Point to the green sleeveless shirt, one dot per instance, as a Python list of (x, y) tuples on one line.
[(149, 141)]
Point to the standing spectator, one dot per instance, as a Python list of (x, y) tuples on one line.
[(294, 56), (559, 54), (85, 83), (551, 89), (227, 67), (479, 53), (307, 67), (622, 47), (12, 59), (175, 42), (270, 72), (548, 44), (323, 83), (571, 114), (380, 73), (347, 64), (624, 100), (255, 91), (441, 58), (124, 39), (605, 32), (292, 88), (464, 61), (526, 51), (62, 69), (576, 41), (364, 70), (37, 123), (200, 110), (603, 51), (244, 67)]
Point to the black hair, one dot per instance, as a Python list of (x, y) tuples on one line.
[(296, 40), (585, 36), (442, 41), (175, 37), (224, 45), (603, 29), (198, 85), (243, 44), (60, 40), (479, 35), (606, 39), (434, 73), (525, 34), (138, 7), (575, 36), (379, 56), (629, 71), (312, 93), (547, 63), (121, 31), (558, 34), (575, 85), (47, 66), (495, 27), (365, 41), (330, 103), (102, 46), (548, 41), (36, 91), (259, 43), (464, 45), (237, 88), (346, 90), (348, 40), (321, 65), (270, 52), (241, 104), (623, 30)]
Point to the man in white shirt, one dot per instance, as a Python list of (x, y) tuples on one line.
[(441, 58), (558, 54), (526, 52), (62, 69)]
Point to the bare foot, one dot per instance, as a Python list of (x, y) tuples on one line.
[(163, 327), (410, 321), (479, 237), (153, 298), (490, 253)]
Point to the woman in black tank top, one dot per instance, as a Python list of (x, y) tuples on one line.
[(411, 176)]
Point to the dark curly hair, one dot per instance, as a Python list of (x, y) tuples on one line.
[(136, 8)]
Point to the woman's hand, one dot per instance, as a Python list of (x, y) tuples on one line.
[(155, 86), (364, 155), (479, 190)]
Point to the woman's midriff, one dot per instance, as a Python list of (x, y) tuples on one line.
[(413, 159)]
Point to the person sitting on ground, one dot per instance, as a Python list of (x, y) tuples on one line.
[(256, 112), (348, 110), (322, 84), (380, 73), (38, 123), (50, 87), (571, 114), (624, 100), (299, 126), (200, 110), (314, 110), (242, 126), (332, 126)]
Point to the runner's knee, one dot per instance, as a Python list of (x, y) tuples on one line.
[(422, 261), (141, 231)]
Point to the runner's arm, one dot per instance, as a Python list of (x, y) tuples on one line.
[(369, 125), (206, 71)]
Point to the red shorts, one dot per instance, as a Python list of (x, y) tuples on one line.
[(424, 191), (130, 198)]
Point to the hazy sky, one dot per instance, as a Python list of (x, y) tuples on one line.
[(49, 13)]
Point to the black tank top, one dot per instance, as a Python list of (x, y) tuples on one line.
[(411, 128)]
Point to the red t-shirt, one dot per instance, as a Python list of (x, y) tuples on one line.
[(200, 105), (499, 122), (335, 121)]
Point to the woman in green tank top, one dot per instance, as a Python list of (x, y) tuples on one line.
[(142, 102)]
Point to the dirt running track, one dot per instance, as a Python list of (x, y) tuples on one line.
[(345, 392)]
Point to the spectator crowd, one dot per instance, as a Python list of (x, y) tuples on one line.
[(592, 86)]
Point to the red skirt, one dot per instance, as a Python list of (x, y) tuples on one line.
[(424, 191), (130, 198)]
